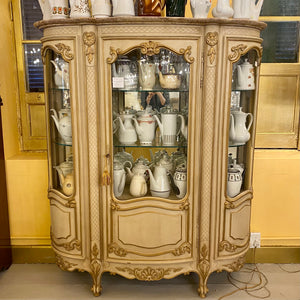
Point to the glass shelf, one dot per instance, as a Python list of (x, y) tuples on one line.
[(138, 145), (159, 89), (61, 143)]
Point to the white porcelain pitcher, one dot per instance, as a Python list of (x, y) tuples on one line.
[(147, 75), (222, 10), (200, 8), (159, 182), (238, 131), (168, 125), (54, 9), (63, 124), (119, 179), (127, 133), (101, 8), (46, 9), (123, 8), (79, 9), (234, 182), (256, 8), (245, 76)]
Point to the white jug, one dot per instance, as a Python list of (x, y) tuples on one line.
[(145, 126), (180, 179), (123, 8), (63, 124), (138, 185), (238, 132), (127, 133), (46, 9), (80, 9), (147, 75), (245, 76), (61, 74), (159, 182), (223, 9), (200, 8), (242, 9), (119, 179), (101, 8), (168, 125), (234, 182)]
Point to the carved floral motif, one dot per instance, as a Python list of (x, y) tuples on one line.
[(89, 39), (212, 40), (185, 247), (148, 274), (117, 250)]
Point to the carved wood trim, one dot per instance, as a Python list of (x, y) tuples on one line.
[(149, 274), (117, 250), (211, 39), (60, 48), (185, 247), (89, 39), (227, 246), (75, 243), (63, 264), (242, 49), (150, 48)]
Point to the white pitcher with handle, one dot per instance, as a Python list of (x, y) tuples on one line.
[(147, 75), (256, 8), (79, 9), (238, 131), (242, 9), (101, 8), (123, 8)]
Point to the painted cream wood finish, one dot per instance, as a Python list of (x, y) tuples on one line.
[(151, 238)]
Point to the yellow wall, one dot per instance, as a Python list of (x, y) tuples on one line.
[(29, 210), (276, 205)]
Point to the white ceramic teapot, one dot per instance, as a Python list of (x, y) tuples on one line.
[(180, 180), (65, 167), (238, 132), (79, 9), (223, 9), (54, 9), (101, 8), (147, 75), (169, 81), (66, 182), (200, 8), (168, 125), (119, 179), (234, 182), (138, 185), (61, 74), (139, 168), (145, 125), (127, 133), (63, 124), (159, 182), (245, 76), (123, 8)]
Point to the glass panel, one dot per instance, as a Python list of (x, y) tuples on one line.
[(60, 123), (150, 101), (31, 13), (281, 8), (281, 42), (34, 68), (240, 127)]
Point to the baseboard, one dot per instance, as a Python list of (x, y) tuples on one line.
[(33, 255), (276, 255)]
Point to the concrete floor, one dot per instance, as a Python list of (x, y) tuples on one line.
[(47, 281)]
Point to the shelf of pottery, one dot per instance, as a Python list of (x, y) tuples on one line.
[(150, 97), (60, 125), (241, 118)]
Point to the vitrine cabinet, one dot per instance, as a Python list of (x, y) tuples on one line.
[(151, 125)]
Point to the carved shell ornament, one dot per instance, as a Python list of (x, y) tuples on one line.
[(150, 48)]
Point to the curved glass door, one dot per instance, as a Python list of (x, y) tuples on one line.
[(150, 105), (242, 106), (60, 124)]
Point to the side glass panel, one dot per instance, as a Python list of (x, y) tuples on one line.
[(150, 101), (240, 127), (60, 123)]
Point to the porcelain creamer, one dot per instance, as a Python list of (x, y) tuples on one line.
[(245, 76), (63, 124)]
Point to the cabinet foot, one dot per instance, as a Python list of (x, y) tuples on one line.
[(203, 290), (96, 288)]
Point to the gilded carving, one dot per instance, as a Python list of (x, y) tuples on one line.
[(241, 49), (148, 274), (225, 245), (203, 267), (237, 265), (71, 203), (89, 39), (150, 48), (114, 205), (212, 41), (68, 246), (63, 264), (117, 250), (60, 48), (184, 206), (95, 270), (185, 247)]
